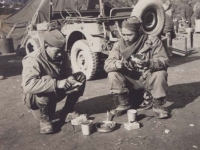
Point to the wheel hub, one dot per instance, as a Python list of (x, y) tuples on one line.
[(150, 20), (81, 61)]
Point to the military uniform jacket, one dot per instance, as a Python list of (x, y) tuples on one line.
[(152, 48), (40, 75)]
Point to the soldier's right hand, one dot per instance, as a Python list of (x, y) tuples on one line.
[(119, 64), (71, 79), (63, 84)]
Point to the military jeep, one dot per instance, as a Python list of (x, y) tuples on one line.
[(91, 28)]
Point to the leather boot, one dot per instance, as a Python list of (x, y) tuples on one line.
[(123, 100), (45, 120), (160, 111)]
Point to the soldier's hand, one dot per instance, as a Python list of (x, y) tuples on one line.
[(142, 63), (77, 84), (68, 83), (63, 84), (119, 64), (71, 80), (74, 82)]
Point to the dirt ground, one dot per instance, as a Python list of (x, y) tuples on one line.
[(19, 130)]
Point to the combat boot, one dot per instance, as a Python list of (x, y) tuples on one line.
[(124, 105), (160, 111), (45, 120)]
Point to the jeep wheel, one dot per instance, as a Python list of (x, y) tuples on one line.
[(83, 59), (31, 45), (152, 14)]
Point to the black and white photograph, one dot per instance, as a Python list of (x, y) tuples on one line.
[(99, 74)]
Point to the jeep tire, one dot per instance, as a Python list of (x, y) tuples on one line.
[(83, 59), (152, 14)]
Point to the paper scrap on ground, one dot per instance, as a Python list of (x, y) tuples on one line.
[(194, 146), (167, 131)]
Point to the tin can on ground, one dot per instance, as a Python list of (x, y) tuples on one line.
[(86, 127), (132, 115)]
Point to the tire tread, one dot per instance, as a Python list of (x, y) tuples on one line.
[(95, 60)]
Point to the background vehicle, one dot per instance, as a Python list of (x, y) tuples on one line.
[(91, 28)]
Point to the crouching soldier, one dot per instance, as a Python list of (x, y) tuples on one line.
[(46, 81), (137, 59)]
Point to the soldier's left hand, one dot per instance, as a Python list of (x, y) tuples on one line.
[(142, 63), (77, 84), (74, 82), (71, 80)]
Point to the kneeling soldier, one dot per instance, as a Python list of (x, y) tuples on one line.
[(137, 58), (46, 81)]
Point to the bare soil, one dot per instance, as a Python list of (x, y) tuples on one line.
[(19, 130)]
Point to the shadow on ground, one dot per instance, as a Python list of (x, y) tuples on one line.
[(177, 60), (180, 95), (10, 65), (96, 105), (183, 94), (101, 75)]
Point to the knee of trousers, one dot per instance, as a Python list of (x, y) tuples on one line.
[(161, 75), (42, 99), (117, 83), (159, 84), (116, 77), (33, 101)]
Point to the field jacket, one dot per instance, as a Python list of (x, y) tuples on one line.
[(40, 75), (152, 48)]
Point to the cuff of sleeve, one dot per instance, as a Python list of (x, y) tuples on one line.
[(147, 64), (66, 86), (150, 64), (115, 67), (57, 83)]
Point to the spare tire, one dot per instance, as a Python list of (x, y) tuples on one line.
[(152, 14)]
